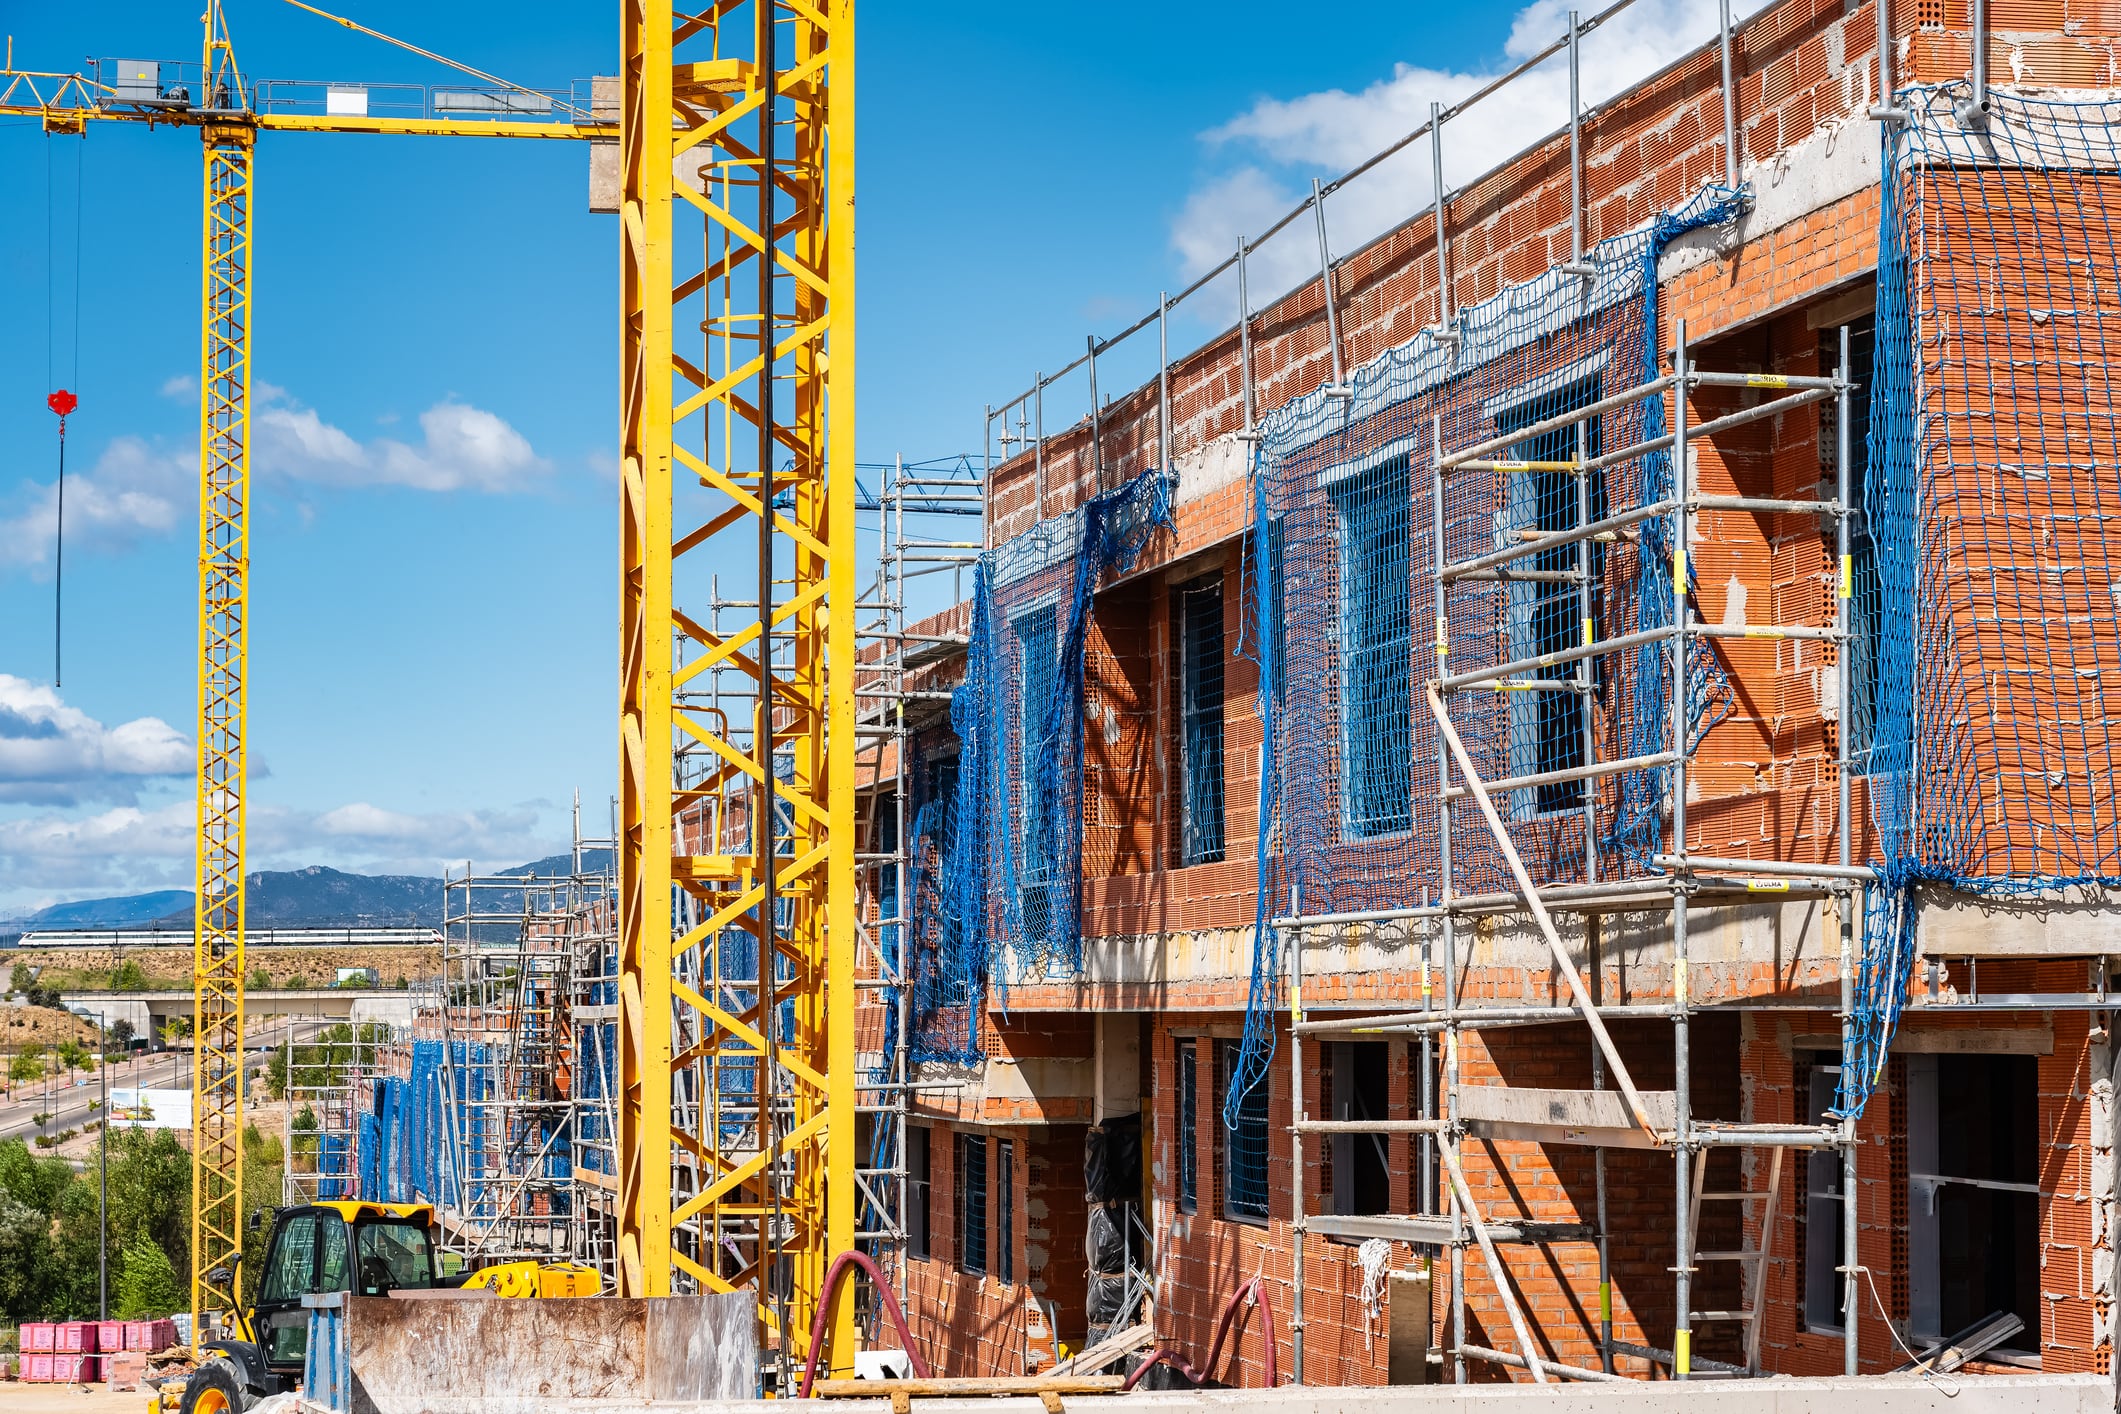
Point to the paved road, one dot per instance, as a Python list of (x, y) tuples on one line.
[(69, 1103), (69, 1100)]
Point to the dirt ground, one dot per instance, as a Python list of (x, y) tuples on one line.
[(45, 1025), (19, 1398)]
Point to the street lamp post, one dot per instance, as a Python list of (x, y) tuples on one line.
[(103, 1171)]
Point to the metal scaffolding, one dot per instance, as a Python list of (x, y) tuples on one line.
[(917, 512), (1614, 1112), (326, 1086)]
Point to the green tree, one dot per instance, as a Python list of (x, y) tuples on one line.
[(129, 977), (25, 1261), (64, 1286), (21, 978), (37, 1183), (147, 1283), (260, 980), (73, 1055), (150, 1193), (121, 1034), (25, 1067)]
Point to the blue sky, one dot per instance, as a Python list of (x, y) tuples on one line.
[(434, 515)]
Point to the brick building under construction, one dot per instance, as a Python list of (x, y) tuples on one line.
[(1565, 811)]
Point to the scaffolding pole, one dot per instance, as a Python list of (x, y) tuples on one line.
[(1680, 881)]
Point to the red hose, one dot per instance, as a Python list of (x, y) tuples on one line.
[(818, 1326), (1254, 1288)]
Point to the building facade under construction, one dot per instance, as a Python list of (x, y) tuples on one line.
[(1539, 807)]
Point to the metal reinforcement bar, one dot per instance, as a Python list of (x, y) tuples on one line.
[(1369, 1126), (1596, 770), (1574, 416), (1567, 1372), (1794, 868)]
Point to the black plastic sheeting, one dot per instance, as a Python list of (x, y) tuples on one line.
[(1112, 1160), (1112, 1240)]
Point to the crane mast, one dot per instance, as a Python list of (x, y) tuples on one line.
[(737, 917)]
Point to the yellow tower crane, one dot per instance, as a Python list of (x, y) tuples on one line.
[(229, 112), (736, 1005)]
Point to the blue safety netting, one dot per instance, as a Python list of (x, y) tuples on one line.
[(1346, 626), (1991, 500), (425, 1133), (335, 1176), (948, 959), (1011, 867)]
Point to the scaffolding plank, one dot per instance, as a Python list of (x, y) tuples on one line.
[(1566, 1109), (1434, 1229)]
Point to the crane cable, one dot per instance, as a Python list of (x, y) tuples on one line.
[(60, 400)]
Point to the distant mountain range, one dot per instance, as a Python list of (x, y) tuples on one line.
[(315, 897)]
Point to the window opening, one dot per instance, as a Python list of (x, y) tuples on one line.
[(1200, 634), (1374, 512), (917, 1193), (1037, 671), (1547, 727), (1359, 1081), (1822, 1204), (292, 1273), (1973, 1161), (392, 1257), (1244, 1144), (1005, 1210), (972, 1202), (1188, 1132)]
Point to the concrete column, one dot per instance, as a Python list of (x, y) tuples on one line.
[(1118, 1065)]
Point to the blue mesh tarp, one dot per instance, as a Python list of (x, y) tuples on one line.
[(334, 1176), (1992, 502), (1004, 859), (596, 1076), (1346, 628)]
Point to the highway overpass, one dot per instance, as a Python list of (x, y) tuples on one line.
[(147, 1010)]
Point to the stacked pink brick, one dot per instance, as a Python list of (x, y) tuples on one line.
[(74, 1352)]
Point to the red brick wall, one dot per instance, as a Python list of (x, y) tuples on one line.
[(1765, 773), (1022, 1038), (971, 1323), (1801, 65)]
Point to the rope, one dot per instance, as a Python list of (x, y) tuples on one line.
[(1375, 1257), (60, 400)]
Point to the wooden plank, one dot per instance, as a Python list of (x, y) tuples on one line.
[(1561, 1109), (967, 1388), (1113, 1347)]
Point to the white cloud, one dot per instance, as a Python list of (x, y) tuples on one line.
[(125, 849), (53, 753), (374, 839), (139, 490), (59, 854), (1262, 160), (179, 385), (461, 448), (133, 492)]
